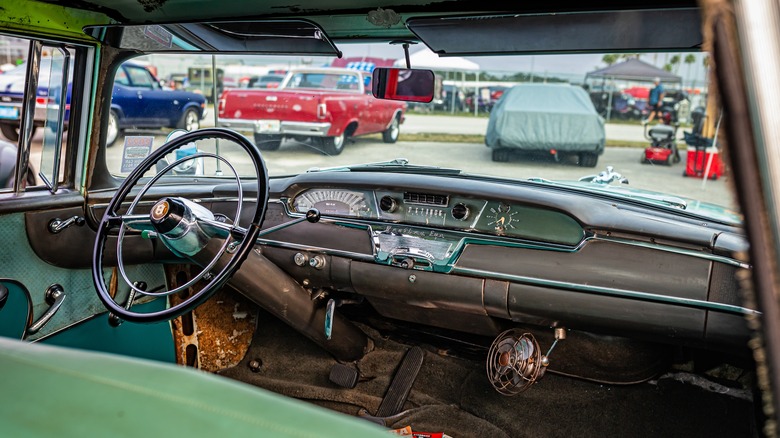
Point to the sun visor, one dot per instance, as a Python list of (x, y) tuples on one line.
[(571, 32), (284, 37)]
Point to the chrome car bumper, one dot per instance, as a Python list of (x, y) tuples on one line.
[(275, 127)]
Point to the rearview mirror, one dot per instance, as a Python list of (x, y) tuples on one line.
[(403, 84)]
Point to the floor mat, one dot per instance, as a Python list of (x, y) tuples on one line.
[(452, 395)]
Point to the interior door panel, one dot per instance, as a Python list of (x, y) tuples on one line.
[(16, 312), (20, 262)]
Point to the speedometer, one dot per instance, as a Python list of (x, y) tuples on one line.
[(333, 202)]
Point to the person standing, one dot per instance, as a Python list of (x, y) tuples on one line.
[(656, 101)]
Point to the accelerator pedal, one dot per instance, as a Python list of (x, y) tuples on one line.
[(402, 383)]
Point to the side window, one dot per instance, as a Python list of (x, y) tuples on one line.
[(121, 78), (55, 84), (43, 113), (140, 77)]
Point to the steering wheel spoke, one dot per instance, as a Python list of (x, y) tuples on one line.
[(222, 229), (185, 227), (135, 222)]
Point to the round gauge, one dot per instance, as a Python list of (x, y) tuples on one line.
[(333, 202), (501, 218)]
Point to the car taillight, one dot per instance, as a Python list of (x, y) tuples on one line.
[(322, 111), (221, 106), (41, 100)]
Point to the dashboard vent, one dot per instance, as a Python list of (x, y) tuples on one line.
[(425, 199)]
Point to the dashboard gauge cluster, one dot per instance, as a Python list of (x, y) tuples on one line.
[(337, 202), (437, 210), (452, 212)]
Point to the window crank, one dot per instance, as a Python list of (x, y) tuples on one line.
[(55, 295), (56, 225)]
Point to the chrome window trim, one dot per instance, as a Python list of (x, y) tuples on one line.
[(28, 114)]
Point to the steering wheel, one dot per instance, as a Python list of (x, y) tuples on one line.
[(183, 226)]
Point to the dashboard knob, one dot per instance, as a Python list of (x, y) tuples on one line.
[(388, 204), (460, 212), (317, 262), (313, 215)]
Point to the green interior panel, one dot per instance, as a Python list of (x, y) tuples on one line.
[(124, 397), (15, 314), (81, 303), (49, 18), (146, 341)]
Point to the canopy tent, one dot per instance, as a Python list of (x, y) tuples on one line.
[(634, 70), (425, 58), (631, 70)]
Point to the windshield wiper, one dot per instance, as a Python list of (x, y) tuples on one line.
[(397, 165)]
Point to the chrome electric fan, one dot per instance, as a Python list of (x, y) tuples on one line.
[(515, 361)]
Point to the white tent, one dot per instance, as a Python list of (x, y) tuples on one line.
[(425, 58)]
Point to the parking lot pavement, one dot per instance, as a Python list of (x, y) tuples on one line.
[(295, 157), (468, 125)]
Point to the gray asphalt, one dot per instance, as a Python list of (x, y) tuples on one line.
[(295, 157), (417, 123)]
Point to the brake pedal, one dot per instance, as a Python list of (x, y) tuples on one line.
[(402, 383), (343, 375)]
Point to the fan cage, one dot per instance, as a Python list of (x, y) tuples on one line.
[(514, 362)]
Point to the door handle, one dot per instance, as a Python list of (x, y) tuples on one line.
[(55, 295)]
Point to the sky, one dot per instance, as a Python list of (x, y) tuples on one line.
[(572, 65)]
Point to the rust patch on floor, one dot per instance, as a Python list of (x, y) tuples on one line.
[(220, 329)]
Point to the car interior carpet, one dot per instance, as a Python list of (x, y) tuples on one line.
[(452, 394)]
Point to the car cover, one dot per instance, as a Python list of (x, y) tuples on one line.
[(544, 117)]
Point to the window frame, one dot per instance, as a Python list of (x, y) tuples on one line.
[(72, 160)]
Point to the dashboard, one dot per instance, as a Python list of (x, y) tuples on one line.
[(452, 212), (419, 248)]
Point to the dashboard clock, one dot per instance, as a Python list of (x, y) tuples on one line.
[(501, 218)]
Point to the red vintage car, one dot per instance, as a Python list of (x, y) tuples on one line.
[(322, 105)]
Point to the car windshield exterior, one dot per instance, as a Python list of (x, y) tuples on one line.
[(554, 118)]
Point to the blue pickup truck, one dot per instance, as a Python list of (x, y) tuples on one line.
[(138, 101)]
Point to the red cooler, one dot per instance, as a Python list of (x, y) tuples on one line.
[(696, 163)]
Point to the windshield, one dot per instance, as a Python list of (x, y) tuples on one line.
[(543, 118)]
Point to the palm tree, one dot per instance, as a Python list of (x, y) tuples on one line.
[(609, 59), (689, 60), (675, 63)]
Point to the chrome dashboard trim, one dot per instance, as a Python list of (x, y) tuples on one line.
[(608, 291), (333, 252), (373, 223), (483, 239), (479, 239), (672, 249)]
